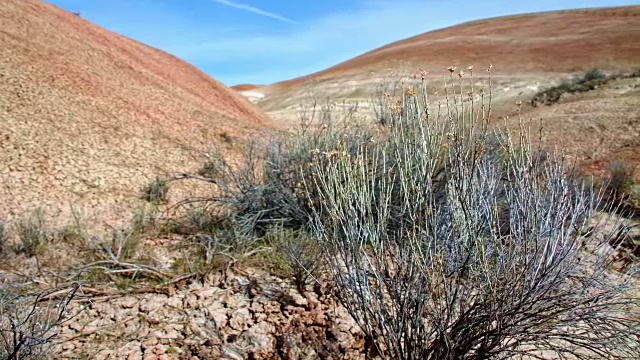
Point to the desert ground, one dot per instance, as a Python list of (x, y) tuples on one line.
[(83, 136)]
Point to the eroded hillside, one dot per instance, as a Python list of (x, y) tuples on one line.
[(88, 116)]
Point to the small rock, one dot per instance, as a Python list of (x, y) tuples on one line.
[(206, 293), (152, 302), (240, 319), (133, 350), (257, 307), (160, 349), (128, 302), (149, 342), (172, 334), (103, 355), (149, 356), (297, 299), (175, 301), (260, 338), (76, 326), (219, 315), (231, 354)]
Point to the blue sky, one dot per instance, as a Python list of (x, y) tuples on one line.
[(265, 41)]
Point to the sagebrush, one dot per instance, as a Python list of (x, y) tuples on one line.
[(445, 236), (448, 240)]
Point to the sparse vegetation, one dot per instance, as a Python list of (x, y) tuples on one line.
[(590, 80), (76, 231), (29, 322), (302, 253), (620, 186), (444, 239), (264, 191), (33, 232), (156, 191), (118, 258), (442, 235), (249, 197), (627, 246), (593, 74), (620, 177)]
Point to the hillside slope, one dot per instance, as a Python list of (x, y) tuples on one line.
[(535, 48), (87, 117), (549, 42)]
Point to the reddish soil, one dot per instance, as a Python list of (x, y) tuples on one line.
[(550, 42), (245, 87), (88, 116)]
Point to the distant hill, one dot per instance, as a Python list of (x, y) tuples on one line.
[(539, 43), (87, 117), (528, 52), (245, 87)]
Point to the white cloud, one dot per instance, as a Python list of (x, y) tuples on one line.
[(254, 10), (332, 36)]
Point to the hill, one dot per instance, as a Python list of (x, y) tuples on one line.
[(88, 116), (245, 87), (527, 51), (539, 43)]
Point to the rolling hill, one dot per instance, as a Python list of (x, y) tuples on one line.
[(245, 87), (87, 117), (527, 51)]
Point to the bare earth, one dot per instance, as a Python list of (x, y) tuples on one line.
[(88, 116)]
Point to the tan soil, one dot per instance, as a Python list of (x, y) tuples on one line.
[(88, 116)]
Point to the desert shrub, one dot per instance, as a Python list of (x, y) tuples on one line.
[(593, 74), (117, 257), (156, 191), (265, 188), (588, 81), (124, 243), (301, 252), (447, 240), (32, 232), (239, 196), (620, 177), (201, 221), (143, 219), (212, 235), (29, 322)]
